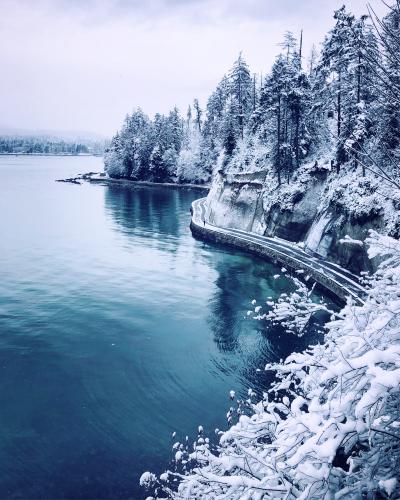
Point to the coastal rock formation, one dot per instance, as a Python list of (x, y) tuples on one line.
[(317, 207)]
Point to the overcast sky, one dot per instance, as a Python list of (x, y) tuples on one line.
[(82, 65)]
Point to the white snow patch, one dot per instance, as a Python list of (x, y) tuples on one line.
[(388, 485), (147, 479)]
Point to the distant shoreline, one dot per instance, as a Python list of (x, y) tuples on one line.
[(50, 154)]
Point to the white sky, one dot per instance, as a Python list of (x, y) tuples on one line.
[(83, 64)]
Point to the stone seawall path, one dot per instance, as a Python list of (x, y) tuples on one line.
[(333, 278)]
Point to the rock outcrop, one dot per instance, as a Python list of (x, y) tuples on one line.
[(310, 210)]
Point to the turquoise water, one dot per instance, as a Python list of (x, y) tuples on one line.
[(117, 328)]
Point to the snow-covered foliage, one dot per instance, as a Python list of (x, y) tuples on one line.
[(170, 148), (190, 166), (114, 164), (329, 427), (341, 111), (147, 479), (293, 311)]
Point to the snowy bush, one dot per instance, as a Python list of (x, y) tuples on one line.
[(293, 311), (330, 425), (113, 164), (188, 165), (192, 165)]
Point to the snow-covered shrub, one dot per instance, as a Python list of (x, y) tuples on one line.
[(169, 159), (330, 425), (188, 165), (361, 198), (293, 311), (191, 166), (113, 164)]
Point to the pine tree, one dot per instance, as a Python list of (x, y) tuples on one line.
[(175, 130), (282, 112), (288, 44), (135, 130), (113, 158), (198, 114), (157, 168), (213, 129), (336, 59), (390, 87), (273, 96), (241, 91)]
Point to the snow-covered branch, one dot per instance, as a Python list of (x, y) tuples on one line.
[(330, 425), (293, 311)]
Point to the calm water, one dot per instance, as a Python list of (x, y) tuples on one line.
[(116, 329)]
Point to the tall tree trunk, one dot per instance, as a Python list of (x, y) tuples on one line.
[(339, 106), (286, 136), (296, 137), (339, 119), (240, 105), (254, 92), (358, 110), (278, 155), (359, 78), (301, 47)]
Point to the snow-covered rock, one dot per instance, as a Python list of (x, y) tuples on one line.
[(318, 209)]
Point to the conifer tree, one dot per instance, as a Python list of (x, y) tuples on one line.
[(198, 113), (241, 91), (390, 87)]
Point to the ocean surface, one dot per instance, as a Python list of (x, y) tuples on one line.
[(117, 328)]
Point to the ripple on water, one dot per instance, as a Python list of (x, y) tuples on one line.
[(116, 329)]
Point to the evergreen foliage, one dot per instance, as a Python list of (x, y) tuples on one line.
[(329, 425), (345, 103)]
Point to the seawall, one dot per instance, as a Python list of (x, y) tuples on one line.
[(340, 286)]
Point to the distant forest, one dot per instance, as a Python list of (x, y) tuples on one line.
[(49, 145)]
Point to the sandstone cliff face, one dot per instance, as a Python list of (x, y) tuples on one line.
[(236, 201), (308, 210)]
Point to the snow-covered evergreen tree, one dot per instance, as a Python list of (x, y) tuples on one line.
[(390, 77), (282, 114), (114, 158), (344, 104), (241, 94)]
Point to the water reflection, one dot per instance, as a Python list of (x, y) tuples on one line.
[(243, 344), (149, 209), (116, 329), (248, 344), (231, 301)]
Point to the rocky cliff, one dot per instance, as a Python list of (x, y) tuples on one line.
[(318, 208)]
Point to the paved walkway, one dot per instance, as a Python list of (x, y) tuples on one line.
[(340, 281)]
